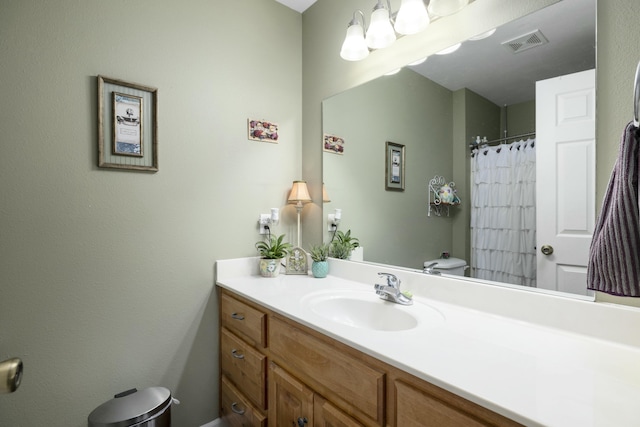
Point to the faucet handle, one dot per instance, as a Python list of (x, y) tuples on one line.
[(392, 280)]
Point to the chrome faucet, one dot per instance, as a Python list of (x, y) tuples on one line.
[(391, 291), (430, 269)]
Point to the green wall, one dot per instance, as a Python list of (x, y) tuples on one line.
[(393, 226), (106, 276)]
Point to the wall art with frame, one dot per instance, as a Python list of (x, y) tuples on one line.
[(127, 125), (394, 166)]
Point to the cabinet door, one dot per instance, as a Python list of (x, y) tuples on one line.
[(290, 401), (327, 415), (417, 407)]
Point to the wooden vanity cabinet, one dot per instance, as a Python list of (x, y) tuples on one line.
[(291, 375)]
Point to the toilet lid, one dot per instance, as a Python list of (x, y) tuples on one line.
[(446, 264)]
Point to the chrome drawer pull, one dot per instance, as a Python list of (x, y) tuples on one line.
[(237, 355), (237, 411), (237, 316)]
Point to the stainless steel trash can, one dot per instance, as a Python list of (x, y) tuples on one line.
[(150, 407)]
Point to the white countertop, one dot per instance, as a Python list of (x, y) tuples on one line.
[(531, 372)]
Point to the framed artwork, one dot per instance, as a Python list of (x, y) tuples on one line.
[(127, 125), (262, 130), (333, 144), (297, 261), (394, 167)]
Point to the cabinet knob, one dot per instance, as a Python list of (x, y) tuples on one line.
[(234, 408), (302, 421), (237, 355), (237, 316)]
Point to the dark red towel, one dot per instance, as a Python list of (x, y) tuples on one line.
[(614, 256)]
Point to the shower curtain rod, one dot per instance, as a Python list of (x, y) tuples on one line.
[(500, 140)]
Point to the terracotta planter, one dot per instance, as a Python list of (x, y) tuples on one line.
[(270, 267), (320, 269)]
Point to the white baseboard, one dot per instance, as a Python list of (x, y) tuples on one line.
[(215, 423)]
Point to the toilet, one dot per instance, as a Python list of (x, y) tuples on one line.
[(454, 266)]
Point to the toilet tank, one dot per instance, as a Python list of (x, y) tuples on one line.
[(455, 266)]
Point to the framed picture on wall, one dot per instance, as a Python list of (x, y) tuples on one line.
[(394, 166), (333, 144), (127, 125), (262, 130)]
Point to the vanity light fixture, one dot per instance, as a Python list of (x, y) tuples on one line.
[(385, 26), (449, 49), (483, 35), (412, 18), (354, 47), (299, 195), (418, 62), (380, 33)]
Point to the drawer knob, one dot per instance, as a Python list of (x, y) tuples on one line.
[(237, 316), (234, 408), (237, 355)]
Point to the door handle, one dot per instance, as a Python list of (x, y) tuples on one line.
[(546, 249)]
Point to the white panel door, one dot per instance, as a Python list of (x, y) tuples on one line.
[(565, 180)]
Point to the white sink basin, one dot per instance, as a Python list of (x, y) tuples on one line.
[(365, 310)]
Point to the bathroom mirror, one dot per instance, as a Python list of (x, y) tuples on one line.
[(426, 109)]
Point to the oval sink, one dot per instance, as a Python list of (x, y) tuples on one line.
[(366, 310)]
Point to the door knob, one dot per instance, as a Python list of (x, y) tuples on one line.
[(546, 249)]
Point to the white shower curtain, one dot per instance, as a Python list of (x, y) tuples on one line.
[(503, 213)]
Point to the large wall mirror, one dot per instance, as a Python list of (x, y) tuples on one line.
[(435, 109)]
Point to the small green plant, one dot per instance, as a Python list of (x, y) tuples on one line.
[(343, 244), (340, 250), (319, 252), (346, 239), (273, 247)]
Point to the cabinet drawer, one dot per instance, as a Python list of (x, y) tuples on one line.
[(236, 410), (244, 320), (245, 367), (354, 386)]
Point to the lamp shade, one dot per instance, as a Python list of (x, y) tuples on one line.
[(412, 17), (380, 33), (446, 7), (354, 47), (325, 196), (299, 193)]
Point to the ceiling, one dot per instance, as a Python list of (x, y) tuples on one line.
[(297, 5), (492, 70)]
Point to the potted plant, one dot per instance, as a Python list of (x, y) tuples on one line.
[(319, 255), (271, 251), (343, 244)]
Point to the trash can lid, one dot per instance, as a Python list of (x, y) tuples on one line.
[(446, 263), (131, 408)]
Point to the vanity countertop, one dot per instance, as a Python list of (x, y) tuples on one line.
[(532, 372)]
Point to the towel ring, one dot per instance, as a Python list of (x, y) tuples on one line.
[(636, 98)]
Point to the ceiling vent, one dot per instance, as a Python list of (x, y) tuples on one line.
[(526, 42)]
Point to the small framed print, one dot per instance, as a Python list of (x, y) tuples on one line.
[(394, 167), (297, 261), (262, 130), (127, 125), (333, 144)]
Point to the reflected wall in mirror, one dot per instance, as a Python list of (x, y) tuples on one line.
[(485, 88)]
